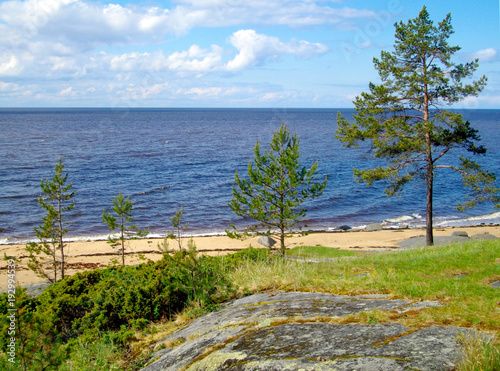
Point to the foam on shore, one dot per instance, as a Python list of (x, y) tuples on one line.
[(403, 221)]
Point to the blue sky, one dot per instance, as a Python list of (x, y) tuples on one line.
[(219, 53)]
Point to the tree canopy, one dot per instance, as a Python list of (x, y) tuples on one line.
[(404, 120)]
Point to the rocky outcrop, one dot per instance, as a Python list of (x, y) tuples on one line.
[(305, 331)]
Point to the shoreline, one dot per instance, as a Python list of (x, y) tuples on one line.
[(83, 255), (6, 241)]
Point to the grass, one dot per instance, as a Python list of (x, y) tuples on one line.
[(101, 355), (319, 252), (479, 354)]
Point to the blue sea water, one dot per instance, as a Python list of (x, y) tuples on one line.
[(164, 158)]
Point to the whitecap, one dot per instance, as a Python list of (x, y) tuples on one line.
[(404, 218)]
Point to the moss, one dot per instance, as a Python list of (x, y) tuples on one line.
[(259, 304), (153, 360), (215, 348), (174, 343), (215, 360)]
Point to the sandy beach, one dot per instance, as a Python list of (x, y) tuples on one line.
[(84, 255)]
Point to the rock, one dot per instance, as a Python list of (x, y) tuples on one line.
[(419, 242), (373, 227), (483, 237), (267, 241), (36, 289), (302, 330), (459, 234), (33, 290), (343, 228), (495, 284)]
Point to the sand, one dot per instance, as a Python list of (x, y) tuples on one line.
[(95, 254)]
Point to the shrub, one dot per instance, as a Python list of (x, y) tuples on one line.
[(38, 344)]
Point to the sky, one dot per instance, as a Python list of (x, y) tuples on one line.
[(220, 53)]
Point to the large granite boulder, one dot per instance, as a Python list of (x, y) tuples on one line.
[(305, 331)]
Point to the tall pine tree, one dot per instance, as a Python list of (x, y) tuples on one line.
[(404, 119)]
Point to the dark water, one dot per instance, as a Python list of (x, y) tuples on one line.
[(164, 158)]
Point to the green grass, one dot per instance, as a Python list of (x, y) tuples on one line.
[(319, 252), (101, 355), (479, 354)]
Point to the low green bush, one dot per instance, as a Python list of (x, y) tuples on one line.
[(108, 306)]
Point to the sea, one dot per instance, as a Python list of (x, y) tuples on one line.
[(167, 158)]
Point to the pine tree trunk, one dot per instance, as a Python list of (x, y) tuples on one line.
[(60, 233), (282, 242), (62, 257), (123, 242), (429, 237), (54, 257)]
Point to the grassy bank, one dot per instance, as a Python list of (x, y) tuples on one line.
[(117, 299), (456, 275)]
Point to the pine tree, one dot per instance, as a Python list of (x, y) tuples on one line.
[(123, 209), (404, 119), (179, 228), (278, 185), (55, 200)]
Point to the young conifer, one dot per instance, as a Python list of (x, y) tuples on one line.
[(276, 188), (56, 200), (123, 209)]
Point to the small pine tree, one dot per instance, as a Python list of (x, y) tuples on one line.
[(56, 200), (179, 228), (278, 184), (123, 209)]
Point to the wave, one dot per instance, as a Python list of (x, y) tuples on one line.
[(405, 218), (493, 218)]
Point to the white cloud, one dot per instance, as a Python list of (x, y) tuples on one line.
[(9, 65), (8, 86), (254, 48), (79, 25), (196, 59), (109, 50), (67, 92), (292, 13), (205, 92), (83, 25), (486, 55)]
